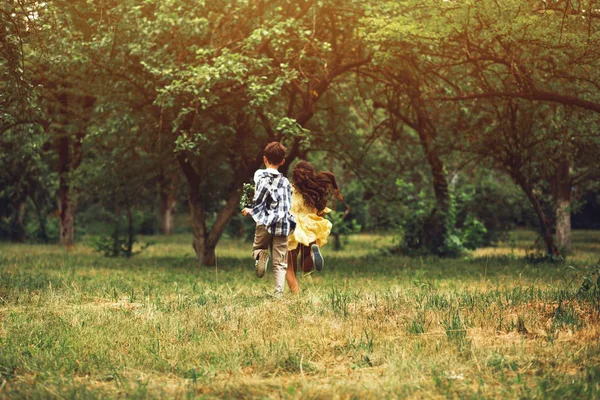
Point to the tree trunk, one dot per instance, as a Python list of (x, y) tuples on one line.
[(17, 231), (436, 227), (223, 217), (167, 208), (545, 228), (198, 215), (66, 205), (337, 241), (70, 154), (563, 203), (130, 231), (67, 218), (205, 242), (43, 233)]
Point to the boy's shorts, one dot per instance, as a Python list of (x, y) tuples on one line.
[(262, 241)]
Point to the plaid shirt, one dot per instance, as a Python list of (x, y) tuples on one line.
[(272, 202)]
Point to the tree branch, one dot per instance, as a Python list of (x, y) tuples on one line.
[(534, 95)]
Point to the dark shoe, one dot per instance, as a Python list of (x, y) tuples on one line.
[(261, 263), (317, 258)]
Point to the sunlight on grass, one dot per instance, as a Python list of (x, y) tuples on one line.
[(586, 246)]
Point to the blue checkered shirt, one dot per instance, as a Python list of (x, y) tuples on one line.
[(272, 202)]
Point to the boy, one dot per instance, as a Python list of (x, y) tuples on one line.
[(271, 211)]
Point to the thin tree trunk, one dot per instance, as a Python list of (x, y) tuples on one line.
[(223, 217), (167, 208), (70, 155), (337, 241), (43, 234), (545, 228), (130, 231), (435, 229), (563, 224), (17, 231), (63, 149), (198, 215), (65, 204), (563, 203), (436, 226), (205, 241)]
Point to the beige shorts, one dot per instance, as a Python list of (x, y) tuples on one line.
[(278, 244)]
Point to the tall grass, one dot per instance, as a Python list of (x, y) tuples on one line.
[(74, 324)]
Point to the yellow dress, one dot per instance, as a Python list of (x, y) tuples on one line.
[(309, 226)]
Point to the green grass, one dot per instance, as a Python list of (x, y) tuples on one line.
[(77, 325)]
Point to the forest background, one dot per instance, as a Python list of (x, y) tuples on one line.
[(447, 123), (463, 261)]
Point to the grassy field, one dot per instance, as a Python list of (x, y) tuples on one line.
[(370, 325)]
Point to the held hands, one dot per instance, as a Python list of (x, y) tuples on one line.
[(246, 211)]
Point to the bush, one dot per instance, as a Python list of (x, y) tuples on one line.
[(495, 201), (417, 217), (120, 243), (341, 226), (145, 223), (49, 233), (473, 233)]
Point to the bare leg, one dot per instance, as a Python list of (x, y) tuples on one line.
[(290, 275), (307, 262)]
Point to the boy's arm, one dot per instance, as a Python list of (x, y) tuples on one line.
[(257, 176), (261, 191)]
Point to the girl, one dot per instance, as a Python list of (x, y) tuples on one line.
[(309, 204)]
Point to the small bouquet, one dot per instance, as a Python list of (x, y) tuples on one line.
[(247, 195)]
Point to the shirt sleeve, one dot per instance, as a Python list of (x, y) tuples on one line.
[(257, 176), (260, 192)]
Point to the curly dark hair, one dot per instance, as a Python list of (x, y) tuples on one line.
[(316, 189)]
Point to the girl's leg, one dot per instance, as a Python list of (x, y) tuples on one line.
[(290, 275), (307, 261)]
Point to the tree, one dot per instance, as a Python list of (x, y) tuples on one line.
[(480, 51), (232, 64)]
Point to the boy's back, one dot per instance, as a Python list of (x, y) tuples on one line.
[(272, 202), (271, 211)]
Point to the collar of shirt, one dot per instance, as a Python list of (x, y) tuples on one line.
[(272, 171)]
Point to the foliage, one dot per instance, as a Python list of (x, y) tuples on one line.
[(27, 184), (145, 91), (468, 235), (341, 226), (493, 199), (247, 196), (120, 243), (473, 233)]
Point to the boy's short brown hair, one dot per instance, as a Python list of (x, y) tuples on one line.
[(275, 152)]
